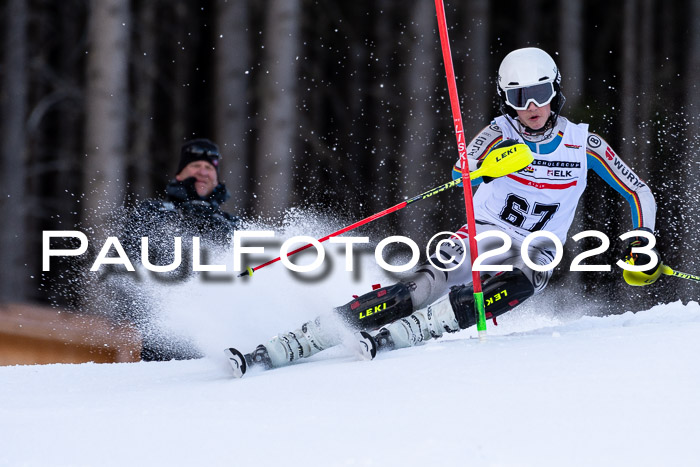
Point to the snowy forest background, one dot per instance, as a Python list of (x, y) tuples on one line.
[(331, 106)]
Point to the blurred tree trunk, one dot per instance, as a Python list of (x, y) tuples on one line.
[(570, 61), (62, 147), (183, 65), (526, 24), (106, 108), (418, 160), (353, 127), (274, 163), (231, 67), (629, 110), (478, 88), (381, 154), (627, 127), (646, 88), (629, 72), (13, 171), (145, 70), (637, 83), (691, 148)]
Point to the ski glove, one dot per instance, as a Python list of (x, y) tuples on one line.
[(503, 144), (182, 191), (640, 278), (484, 178)]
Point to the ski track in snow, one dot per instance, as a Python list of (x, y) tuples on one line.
[(543, 390)]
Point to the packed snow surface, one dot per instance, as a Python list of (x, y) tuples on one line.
[(545, 389)]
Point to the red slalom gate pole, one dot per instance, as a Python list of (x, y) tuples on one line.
[(466, 181)]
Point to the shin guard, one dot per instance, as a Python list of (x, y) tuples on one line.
[(377, 308), (502, 293)]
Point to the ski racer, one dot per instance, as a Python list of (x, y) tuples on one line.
[(541, 197)]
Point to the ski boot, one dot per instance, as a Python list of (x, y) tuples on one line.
[(237, 361), (240, 363), (367, 345), (287, 348)]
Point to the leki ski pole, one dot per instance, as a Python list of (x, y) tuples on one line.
[(462, 149), (366, 220), (683, 275)]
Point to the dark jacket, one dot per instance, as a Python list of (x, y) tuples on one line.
[(183, 213)]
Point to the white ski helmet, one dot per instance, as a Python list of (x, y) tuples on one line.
[(529, 75)]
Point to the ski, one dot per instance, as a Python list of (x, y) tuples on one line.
[(364, 346)]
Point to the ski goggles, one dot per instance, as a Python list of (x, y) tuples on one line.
[(199, 152), (203, 152), (539, 94)]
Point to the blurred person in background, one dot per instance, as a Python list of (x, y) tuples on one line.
[(190, 208)]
